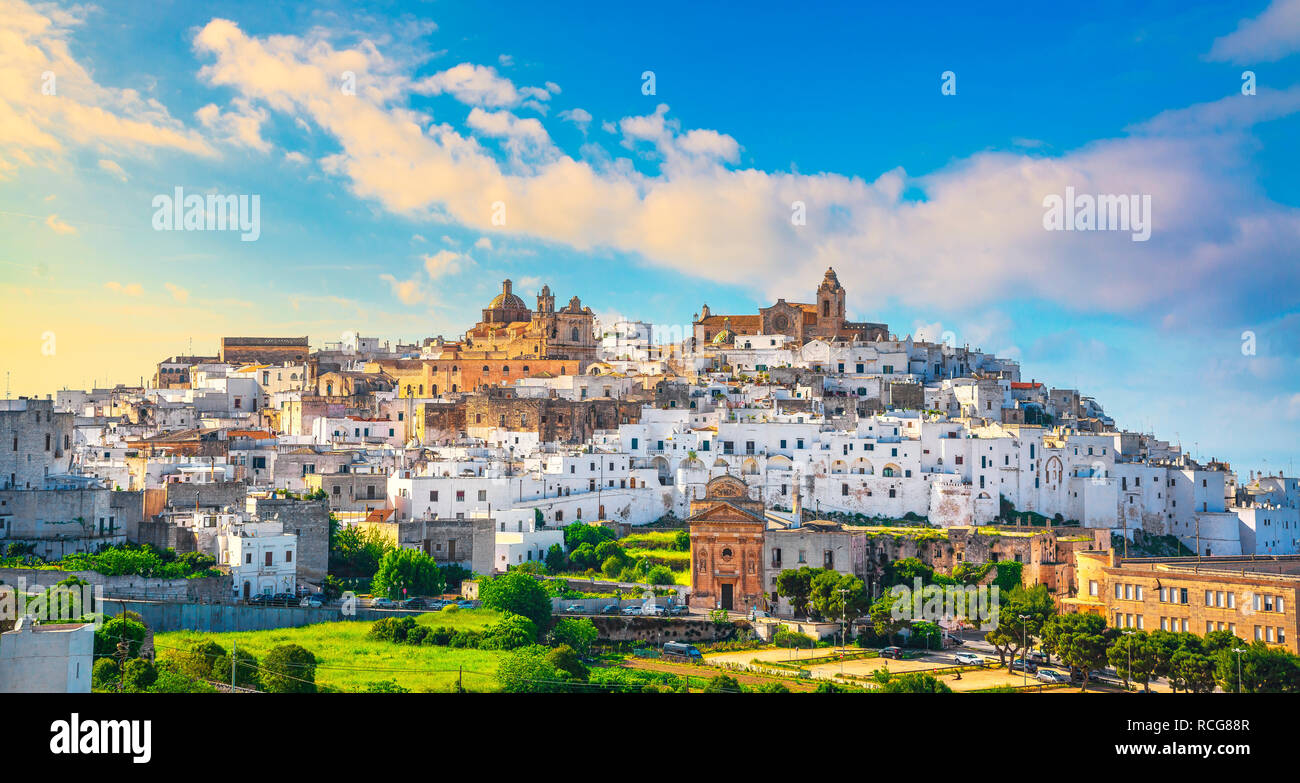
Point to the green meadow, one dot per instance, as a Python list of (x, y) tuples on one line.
[(348, 661)]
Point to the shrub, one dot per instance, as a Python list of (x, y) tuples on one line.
[(723, 683), (391, 629), (104, 675), (509, 633), (566, 660), (199, 660), (289, 668), (245, 670), (120, 629), (384, 686), (788, 638), (660, 575), (517, 593), (416, 635), (578, 633), (138, 675), (529, 670)]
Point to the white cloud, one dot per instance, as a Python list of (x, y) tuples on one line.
[(579, 117), (130, 289), (483, 243), (478, 85), (445, 262), (408, 292), (58, 226), (1270, 36), (241, 127), (974, 236), (51, 102), (113, 168), (178, 293)]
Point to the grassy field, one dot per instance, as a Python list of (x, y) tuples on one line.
[(649, 540), (349, 661), (659, 547)]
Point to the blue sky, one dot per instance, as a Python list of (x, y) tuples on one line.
[(375, 206)]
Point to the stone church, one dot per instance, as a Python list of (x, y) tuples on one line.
[(823, 319), (727, 529), (509, 330)]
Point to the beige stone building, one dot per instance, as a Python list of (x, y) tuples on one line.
[(1252, 597)]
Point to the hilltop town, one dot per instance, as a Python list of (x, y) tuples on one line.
[(758, 443)]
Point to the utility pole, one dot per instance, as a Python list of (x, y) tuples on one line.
[(233, 658)]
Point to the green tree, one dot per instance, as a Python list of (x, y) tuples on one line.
[(529, 670), (579, 633), (577, 533), (1012, 633), (411, 569), (511, 632), (682, 541), (887, 618), (564, 658), (583, 557), (905, 571), (121, 628), (518, 593), (138, 675), (289, 668), (1261, 669), (105, 674), (827, 600), (795, 585), (244, 667), (1134, 657), (1191, 671), (1079, 640), (555, 559), (660, 575), (171, 680)]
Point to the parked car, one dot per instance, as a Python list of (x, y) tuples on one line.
[(892, 652), (1020, 665), (260, 598), (677, 610), (414, 603), (382, 603), (465, 604), (315, 600), (610, 609), (655, 610), (574, 608), (1037, 656), (969, 659), (1050, 676), (632, 611), (285, 599), (1097, 675)]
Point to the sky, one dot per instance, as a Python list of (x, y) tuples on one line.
[(407, 157)]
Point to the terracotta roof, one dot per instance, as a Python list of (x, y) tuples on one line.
[(739, 324), (1018, 385)]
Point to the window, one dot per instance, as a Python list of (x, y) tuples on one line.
[(268, 558), (828, 559), (1092, 587), (433, 496), (460, 496), (482, 495), (288, 556)]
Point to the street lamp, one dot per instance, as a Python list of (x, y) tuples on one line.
[(1024, 651), (1239, 651), (844, 618)]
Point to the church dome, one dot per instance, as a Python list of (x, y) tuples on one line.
[(506, 300)]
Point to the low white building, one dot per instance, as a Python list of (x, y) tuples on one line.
[(262, 558), (50, 658)]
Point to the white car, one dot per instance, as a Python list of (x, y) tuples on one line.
[(1051, 677), (969, 659), (632, 610)]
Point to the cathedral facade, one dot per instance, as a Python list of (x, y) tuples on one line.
[(823, 319), (509, 330)]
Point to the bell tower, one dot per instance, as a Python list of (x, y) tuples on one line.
[(830, 304)]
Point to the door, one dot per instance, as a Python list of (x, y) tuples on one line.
[(247, 590), (726, 597), (451, 550)]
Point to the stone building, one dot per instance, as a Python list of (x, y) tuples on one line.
[(469, 543), (309, 520), (35, 443), (1252, 597), (509, 330), (824, 319), (727, 530), (553, 419)]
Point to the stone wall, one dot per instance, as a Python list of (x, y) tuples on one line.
[(210, 588), (309, 520), (661, 629)]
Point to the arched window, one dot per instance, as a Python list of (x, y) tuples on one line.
[(506, 369), (525, 369), (574, 334)]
